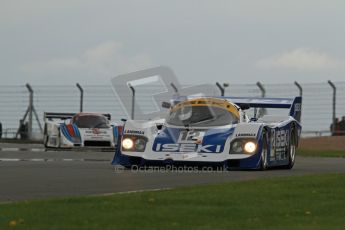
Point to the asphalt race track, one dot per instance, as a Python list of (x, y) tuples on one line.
[(30, 172)]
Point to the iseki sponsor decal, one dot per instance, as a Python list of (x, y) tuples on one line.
[(189, 141), (187, 148)]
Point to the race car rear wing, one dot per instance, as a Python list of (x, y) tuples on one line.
[(61, 116), (64, 116), (293, 104)]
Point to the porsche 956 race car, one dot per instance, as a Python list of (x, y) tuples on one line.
[(68, 130), (217, 132)]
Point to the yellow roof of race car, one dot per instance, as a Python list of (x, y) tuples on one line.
[(212, 102)]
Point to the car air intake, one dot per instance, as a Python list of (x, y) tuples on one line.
[(97, 143)]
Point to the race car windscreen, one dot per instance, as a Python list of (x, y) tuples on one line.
[(91, 121), (201, 116)]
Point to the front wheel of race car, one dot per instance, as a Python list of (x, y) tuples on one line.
[(263, 160)]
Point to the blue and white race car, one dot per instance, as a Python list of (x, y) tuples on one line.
[(215, 132)]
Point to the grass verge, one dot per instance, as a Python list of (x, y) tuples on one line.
[(320, 153), (308, 202)]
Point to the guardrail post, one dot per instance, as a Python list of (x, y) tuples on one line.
[(30, 108), (81, 96), (25, 129), (333, 105), (262, 89), (299, 88), (222, 88), (133, 100)]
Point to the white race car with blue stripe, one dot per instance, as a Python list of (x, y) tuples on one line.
[(217, 132), (69, 130)]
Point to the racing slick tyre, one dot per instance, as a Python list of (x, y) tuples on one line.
[(263, 161), (291, 150)]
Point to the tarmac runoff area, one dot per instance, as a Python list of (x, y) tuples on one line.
[(31, 172)]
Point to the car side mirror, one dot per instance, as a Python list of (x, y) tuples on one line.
[(166, 105)]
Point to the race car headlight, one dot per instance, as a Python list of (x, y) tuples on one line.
[(237, 146), (127, 143), (134, 143), (140, 144), (249, 147), (240, 146)]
